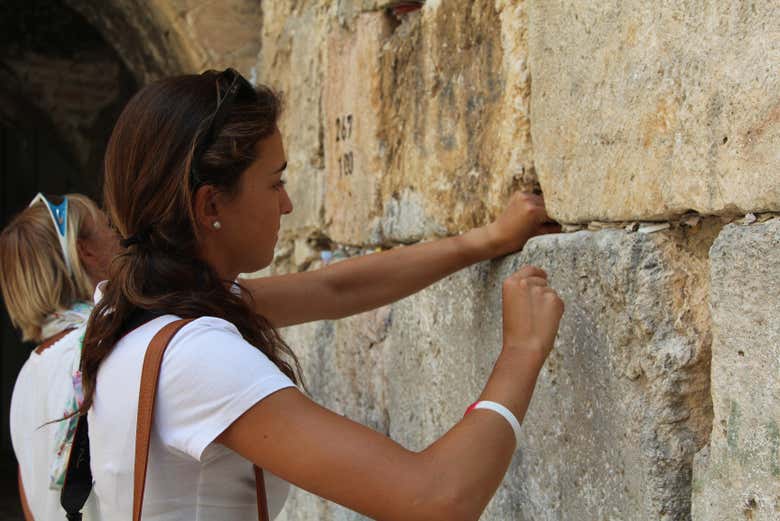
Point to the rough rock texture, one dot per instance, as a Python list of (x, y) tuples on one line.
[(421, 123), (456, 125), (353, 147), (621, 406), (456, 117), (291, 61), (644, 110), (738, 476)]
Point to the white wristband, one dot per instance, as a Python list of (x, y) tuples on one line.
[(503, 411)]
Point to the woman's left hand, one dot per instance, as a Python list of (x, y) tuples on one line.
[(524, 217)]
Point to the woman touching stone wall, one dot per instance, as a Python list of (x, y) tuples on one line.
[(648, 128)]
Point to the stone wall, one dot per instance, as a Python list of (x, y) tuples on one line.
[(738, 475), (653, 130), (648, 127)]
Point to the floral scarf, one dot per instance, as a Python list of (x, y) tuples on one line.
[(75, 317)]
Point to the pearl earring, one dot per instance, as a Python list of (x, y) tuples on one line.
[(217, 225)]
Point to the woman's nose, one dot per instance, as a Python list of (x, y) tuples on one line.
[(286, 205)]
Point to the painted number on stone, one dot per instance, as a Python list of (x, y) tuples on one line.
[(346, 164), (344, 135), (344, 128)]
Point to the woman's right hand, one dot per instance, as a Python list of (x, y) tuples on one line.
[(532, 312)]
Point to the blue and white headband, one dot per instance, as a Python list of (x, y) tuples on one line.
[(59, 216)]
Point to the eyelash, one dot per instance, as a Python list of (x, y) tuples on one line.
[(280, 184)]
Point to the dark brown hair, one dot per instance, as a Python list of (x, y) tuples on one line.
[(149, 193)]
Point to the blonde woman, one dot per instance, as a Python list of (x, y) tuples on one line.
[(51, 257)]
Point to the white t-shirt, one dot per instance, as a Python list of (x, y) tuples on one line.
[(39, 396), (210, 376)]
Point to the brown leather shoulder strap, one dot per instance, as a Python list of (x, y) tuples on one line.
[(149, 377), (262, 500), (46, 344), (143, 430)]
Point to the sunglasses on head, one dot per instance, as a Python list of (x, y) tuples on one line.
[(236, 86), (58, 210)]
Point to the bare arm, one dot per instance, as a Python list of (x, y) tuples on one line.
[(454, 478), (367, 282)]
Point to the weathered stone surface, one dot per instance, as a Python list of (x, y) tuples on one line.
[(291, 61), (141, 34), (621, 405), (643, 110), (738, 476), (425, 119), (353, 147), (455, 119), (228, 32)]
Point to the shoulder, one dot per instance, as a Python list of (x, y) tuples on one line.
[(212, 325), (206, 332), (58, 356), (68, 343), (211, 344)]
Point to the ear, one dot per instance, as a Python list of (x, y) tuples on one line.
[(90, 258), (206, 205)]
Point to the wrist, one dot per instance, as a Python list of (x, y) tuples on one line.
[(523, 355), (485, 242), (513, 380), (477, 245)]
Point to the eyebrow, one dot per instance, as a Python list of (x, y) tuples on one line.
[(280, 169)]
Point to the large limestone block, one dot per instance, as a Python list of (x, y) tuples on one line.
[(228, 31), (622, 404), (738, 476), (353, 146), (427, 124), (455, 113), (620, 408), (645, 110)]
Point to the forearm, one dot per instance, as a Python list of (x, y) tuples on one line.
[(378, 279), (471, 459)]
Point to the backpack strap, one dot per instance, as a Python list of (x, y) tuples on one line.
[(78, 475), (149, 378)]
